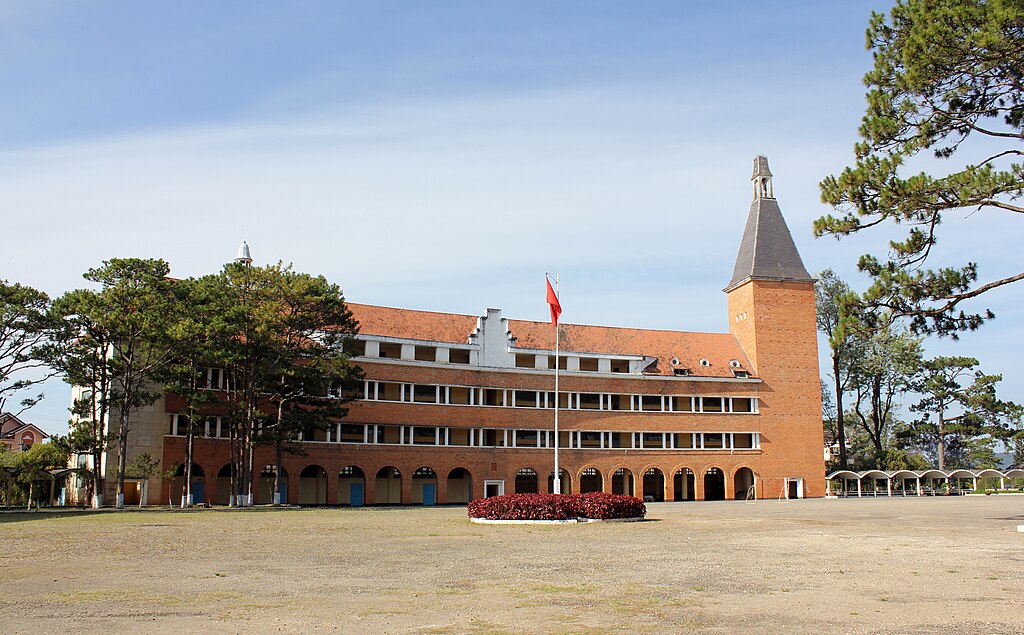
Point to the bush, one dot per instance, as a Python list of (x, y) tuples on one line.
[(595, 505)]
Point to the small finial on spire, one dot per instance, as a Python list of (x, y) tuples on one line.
[(243, 254), (762, 178)]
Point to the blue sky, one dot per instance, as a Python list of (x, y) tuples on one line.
[(442, 156)]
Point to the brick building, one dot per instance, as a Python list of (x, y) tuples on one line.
[(456, 407), (17, 435)]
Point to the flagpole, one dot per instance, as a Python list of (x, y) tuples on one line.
[(558, 473)]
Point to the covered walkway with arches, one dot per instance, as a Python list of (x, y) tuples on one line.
[(872, 483)]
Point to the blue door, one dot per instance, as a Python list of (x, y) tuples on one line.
[(198, 497), (429, 493), (355, 494)]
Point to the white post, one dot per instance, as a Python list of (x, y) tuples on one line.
[(558, 473), (858, 488)]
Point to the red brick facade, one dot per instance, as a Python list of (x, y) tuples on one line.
[(756, 388)]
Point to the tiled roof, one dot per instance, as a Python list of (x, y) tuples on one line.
[(688, 347), (414, 325)]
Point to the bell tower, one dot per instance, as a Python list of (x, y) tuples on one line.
[(772, 316)]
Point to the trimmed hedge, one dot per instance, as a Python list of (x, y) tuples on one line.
[(595, 505)]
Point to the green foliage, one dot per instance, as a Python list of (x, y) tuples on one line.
[(943, 72), (24, 329), (142, 466), (835, 301), (880, 374), (960, 421)]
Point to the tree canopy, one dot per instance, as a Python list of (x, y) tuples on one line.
[(944, 73)]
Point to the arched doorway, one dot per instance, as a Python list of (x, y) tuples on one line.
[(591, 481), (685, 485), (223, 495), (566, 482), (622, 482), (714, 484), (654, 485), (351, 486), (313, 485), (460, 485), (424, 486), (265, 487), (178, 483), (526, 481), (743, 483), (388, 486)]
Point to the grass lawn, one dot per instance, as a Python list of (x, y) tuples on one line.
[(851, 566)]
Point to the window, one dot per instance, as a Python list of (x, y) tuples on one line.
[(743, 441), (619, 439), (424, 435), (563, 400), (684, 440), (355, 348), (590, 439), (459, 395), (493, 438), (425, 354), (389, 391), (351, 433), (458, 356), (424, 393), (711, 404), (563, 362), (650, 403), (588, 364), (494, 397), (458, 436), (654, 440), (389, 434), (742, 404), (618, 402), (682, 404), (620, 365), (713, 441), (526, 399), (524, 360), (589, 401), (390, 351), (526, 438)]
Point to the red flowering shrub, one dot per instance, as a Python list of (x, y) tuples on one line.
[(605, 506), (557, 507)]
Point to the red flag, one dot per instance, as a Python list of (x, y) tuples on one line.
[(556, 308)]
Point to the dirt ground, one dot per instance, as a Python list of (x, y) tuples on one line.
[(945, 565)]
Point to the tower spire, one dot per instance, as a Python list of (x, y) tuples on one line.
[(767, 251)]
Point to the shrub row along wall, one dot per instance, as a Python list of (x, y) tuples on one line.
[(595, 505)]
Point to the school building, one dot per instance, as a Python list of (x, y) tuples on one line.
[(456, 407)]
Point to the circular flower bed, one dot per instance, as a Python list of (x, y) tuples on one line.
[(594, 506)]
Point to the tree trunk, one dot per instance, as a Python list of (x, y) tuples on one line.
[(122, 457), (186, 489), (279, 465), (840, 423), (941, 445)]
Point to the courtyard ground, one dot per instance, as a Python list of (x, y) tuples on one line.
[(933, 565)]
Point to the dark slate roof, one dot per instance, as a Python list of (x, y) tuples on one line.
[(760, 167), (767, 251)]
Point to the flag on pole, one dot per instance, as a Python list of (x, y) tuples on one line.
[(556, 308)]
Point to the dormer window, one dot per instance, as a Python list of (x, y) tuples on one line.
[(705, 362), (682, 372), (741, 374)]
